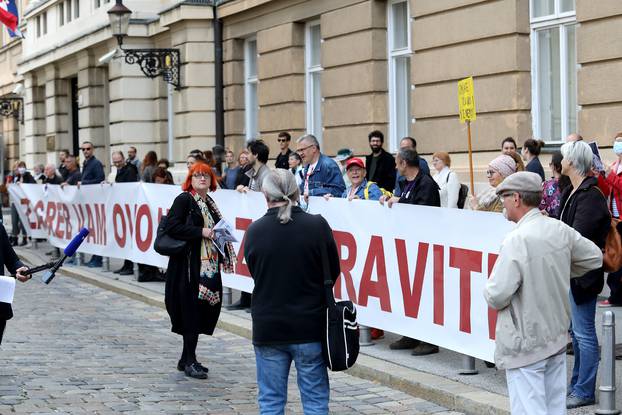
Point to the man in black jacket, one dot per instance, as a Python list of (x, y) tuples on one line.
[(282, 159), (418, 188), (8, 259), (20, 175), (126, 173), (73, 171), (380, 164), (50, 176), (62, 169)]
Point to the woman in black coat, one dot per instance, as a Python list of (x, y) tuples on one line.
[(584, 208), (8, 259), (193, 291)]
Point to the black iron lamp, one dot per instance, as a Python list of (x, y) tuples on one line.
[(152, 62), (12, 106)]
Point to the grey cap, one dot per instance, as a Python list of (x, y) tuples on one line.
[(522, 181), (344, 154)]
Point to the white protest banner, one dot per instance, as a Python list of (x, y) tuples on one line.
[(414, 270)]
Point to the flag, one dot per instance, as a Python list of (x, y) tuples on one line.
[(9, 16)]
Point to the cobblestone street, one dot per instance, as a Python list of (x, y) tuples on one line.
[(75, 348)]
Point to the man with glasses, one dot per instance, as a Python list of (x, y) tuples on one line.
[(529, 286), (92, 173), (321, 173), (282, 160)]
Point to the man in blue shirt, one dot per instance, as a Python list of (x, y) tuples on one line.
[(92, 173)]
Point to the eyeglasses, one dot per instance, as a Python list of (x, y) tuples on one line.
[(302, 150), (281, 140), (201, 175), (86, 148), (506, 194)]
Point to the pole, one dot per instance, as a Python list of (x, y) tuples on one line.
[(607, 388), (468, 366), (170, 116), (470, 158)]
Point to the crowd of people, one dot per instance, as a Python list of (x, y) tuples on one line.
[(582, 192)]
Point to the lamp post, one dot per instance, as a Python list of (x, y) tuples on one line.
[(12, 106), (153, 62)]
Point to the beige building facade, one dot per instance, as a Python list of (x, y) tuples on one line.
[(334, 68)]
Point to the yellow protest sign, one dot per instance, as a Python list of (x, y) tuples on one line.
[(466, 100)]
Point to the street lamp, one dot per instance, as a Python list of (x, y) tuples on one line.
[(152, 62), (12, 105)]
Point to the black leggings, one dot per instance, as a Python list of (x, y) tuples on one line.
[(2, 325), (189, 354)]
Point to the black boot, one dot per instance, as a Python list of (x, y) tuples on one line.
[(146, 273), (13, 240)]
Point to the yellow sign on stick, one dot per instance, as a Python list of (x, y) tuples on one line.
[(466, 100)]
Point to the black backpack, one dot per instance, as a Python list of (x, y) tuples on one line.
[(340, 345), (463, 193)]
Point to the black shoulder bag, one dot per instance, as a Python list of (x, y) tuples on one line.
[(167, 245), (340, 345)]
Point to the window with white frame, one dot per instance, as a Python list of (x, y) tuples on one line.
[(76, 9), (313, 73), (250, 89), (554, 68), (68, 10), (399, 70)]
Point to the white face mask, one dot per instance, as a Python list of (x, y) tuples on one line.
[(21, 170)]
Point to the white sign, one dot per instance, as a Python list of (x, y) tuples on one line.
[(414, 270)]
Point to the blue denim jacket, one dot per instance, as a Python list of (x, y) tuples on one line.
[(374, 191), (326, 178)]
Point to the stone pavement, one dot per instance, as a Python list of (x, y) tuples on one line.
[(434, 378), (79, 349)]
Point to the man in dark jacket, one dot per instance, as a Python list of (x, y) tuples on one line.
[(92, 169), (380, 164), (50, 176), (409, 142), (73, 171), (92, 173), (282, 159), (20, 175), (8, 259), (126, 173), (289, 308), (62, 169), (417, 188)]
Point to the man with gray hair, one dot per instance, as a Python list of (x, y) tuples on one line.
[(50, 175), (321, 173), (529, 285)]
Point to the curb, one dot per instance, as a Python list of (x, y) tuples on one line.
[(445, 392)]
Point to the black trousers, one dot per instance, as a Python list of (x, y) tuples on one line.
[(2, 326), (613, 281)]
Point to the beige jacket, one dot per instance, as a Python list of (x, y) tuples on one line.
[(530, 284)]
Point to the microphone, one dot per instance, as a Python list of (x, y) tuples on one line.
[(69, 251)]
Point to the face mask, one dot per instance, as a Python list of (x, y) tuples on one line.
[(21, 170), (617, 147), (505, 213)]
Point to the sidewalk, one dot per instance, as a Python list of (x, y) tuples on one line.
[(434, 378)]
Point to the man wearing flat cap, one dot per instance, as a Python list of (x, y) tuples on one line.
[(529, 287)]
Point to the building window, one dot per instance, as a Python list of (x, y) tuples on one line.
[(68, 9), (250, 89), (44, 22), (61, 14), (554, 68), (399, 70), (76, 9), (313, 75), (38, 24)]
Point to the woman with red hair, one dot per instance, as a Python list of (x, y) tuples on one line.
[(193, 291)]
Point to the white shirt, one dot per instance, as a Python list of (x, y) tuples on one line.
[(309, 173), (449, 187)]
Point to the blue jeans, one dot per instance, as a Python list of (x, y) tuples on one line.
[(273, 363), (585, 344)]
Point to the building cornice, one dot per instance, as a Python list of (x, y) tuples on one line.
[(229, 8)]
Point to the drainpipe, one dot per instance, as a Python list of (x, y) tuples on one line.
[(218, 78)]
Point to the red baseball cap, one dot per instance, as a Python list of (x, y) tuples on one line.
[(355, 161)]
